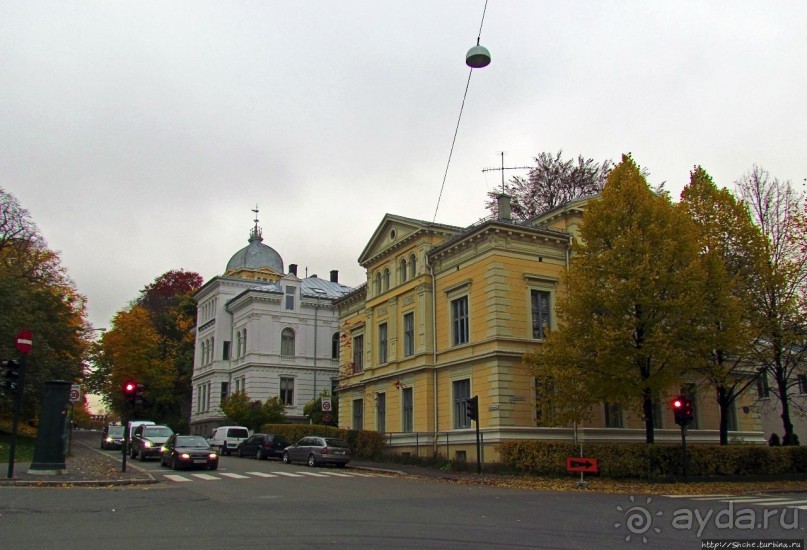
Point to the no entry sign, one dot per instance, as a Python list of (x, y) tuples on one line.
[(24, 341)]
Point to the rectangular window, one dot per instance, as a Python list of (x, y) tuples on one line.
[(358, 414), (613, 415), (731, 413), (802, 379), (461, 392), (409, 334), (382, 343), (381, 412), (408, 417), (290, 292), (763, 390), (224, 389), (225, 352), (358, 353), (287, 390), (540, 313), (459, 320)]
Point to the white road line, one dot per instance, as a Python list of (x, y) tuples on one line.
[(698, 497), (287, 474), (798, 507), (337, 474), (174, 477), (755, 500), (312, 474), (233, 475), (207, 477), (362, 475), (261, 474), (781, 502)]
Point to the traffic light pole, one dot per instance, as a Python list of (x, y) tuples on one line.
[(684, 448), (478, 449), (16, 417), (125, 447)]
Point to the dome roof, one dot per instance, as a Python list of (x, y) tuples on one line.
[(256, 255)]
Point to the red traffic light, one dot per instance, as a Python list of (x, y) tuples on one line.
[(677, 403), (129, 387)]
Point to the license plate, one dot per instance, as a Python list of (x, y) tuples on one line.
[(339, 452), (200, 461)]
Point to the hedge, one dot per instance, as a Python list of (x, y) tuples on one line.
[(364, 444), (630, 460)]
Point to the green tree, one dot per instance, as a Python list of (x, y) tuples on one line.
[(626, 318), (780, 285), (313, 410), (730, 244), (36, 294), (243, 411), (152, 342)]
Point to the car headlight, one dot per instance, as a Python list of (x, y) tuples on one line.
[(109, 440), (213, 456), (185, 456), (148, 444)]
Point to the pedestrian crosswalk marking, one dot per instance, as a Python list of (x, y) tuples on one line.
[(173, 477), (267, 475), (206, 477)]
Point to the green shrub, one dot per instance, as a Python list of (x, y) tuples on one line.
[(638, 460)]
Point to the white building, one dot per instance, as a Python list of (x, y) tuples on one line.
[(265, 332)]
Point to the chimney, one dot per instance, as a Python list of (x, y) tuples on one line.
[(503, 203), (334, 276), (293, 269)]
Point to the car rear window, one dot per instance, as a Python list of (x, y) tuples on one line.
[(331, 442), (237, 432)]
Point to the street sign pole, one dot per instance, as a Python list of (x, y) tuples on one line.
[(23, 343)]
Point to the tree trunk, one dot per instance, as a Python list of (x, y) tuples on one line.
[(648, 416), (723, 402)]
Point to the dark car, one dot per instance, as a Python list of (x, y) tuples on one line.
[(316, 450), (147, 440), (188, 451), (262, 446), (112, 437)]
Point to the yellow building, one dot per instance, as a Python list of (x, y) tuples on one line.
[(447, 314)]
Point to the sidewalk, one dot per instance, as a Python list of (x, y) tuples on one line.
[(87, 466)]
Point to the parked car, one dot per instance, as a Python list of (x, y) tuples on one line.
[(227, 438), (315, 450), (188, 451), (112, 436), (147, 440), (262, 446)]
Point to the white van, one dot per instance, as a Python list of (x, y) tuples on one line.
[(227, 438), (133, 424)]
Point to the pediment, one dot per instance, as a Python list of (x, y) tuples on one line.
[(392, 233)]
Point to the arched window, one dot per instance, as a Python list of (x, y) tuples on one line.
[(287, 342), (378, 283), (412, 266), (386, 279), (403, 270)]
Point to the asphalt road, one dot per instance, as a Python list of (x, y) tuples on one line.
[(267, 504)]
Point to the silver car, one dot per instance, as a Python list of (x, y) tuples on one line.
[(318, 450)]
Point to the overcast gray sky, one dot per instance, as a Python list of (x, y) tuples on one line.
[(139, 135)]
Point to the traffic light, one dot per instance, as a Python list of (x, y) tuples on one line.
[(682, 409), (11, 382), (138, 394), (129, 392), (472, 406)]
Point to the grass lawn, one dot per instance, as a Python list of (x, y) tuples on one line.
[(24, 451)]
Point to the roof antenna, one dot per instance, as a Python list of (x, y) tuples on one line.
[(256, 232)]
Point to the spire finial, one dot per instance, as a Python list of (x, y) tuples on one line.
[(255, 234)]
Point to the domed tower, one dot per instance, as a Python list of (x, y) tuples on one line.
[(256, 260)]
